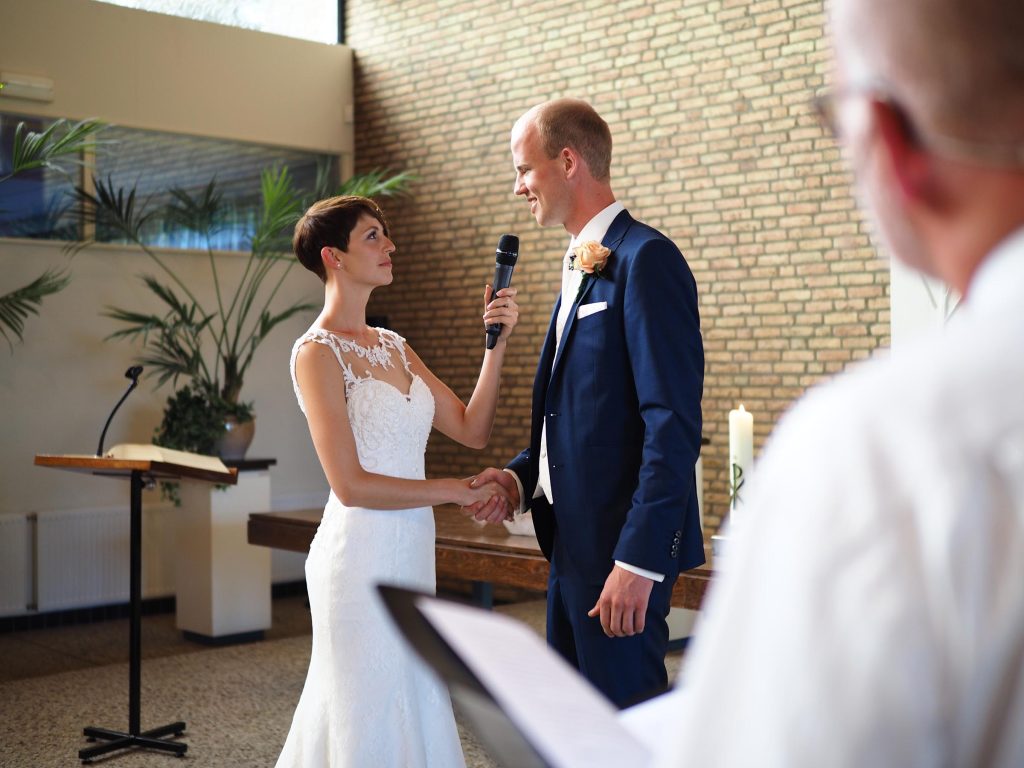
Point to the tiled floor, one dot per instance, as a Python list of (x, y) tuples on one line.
[(39, 652), (237, 700)]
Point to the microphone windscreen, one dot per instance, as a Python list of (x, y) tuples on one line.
[(508, 250)]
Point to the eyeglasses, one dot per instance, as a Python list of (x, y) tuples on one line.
[(826, 105)]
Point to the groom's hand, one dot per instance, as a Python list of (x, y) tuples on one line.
[(494, 511), (622, 605)]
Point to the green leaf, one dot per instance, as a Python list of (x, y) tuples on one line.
[(202, 213), (377, 183), (114, 208), (268, 321), (17, 305), (61, 140), (281, 207)]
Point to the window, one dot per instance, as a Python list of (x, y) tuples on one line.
[(315, 20), (36, 203), (155, 163), (42, 204)]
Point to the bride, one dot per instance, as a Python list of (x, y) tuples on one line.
[(370, 403)]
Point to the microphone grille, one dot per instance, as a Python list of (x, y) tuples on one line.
[(509, 244)]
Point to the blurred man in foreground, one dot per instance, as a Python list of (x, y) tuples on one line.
[(872, 610)]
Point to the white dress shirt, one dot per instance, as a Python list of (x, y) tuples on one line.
[(595, 229), (871, 608)]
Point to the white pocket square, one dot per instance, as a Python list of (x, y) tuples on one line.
[(590, 309)]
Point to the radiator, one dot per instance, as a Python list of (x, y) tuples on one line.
[(82, 558), (15, 565)]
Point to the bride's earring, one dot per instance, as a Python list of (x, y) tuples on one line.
[(328, 255)]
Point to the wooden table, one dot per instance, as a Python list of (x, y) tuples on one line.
[(484, 555)]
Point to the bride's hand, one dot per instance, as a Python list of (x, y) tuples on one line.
[(501, 309), (485, 494)]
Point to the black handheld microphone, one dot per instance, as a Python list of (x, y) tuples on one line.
[(132, 373), (504, 260)]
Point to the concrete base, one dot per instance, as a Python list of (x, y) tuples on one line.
[(222, 582)]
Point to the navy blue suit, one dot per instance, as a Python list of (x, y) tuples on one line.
[(622, 403)]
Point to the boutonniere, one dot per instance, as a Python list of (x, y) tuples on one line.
[(591, 256)]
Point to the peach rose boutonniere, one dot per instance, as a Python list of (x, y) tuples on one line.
[(591, 257)]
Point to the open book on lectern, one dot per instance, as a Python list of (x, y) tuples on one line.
[(150, 452), (523, 701)]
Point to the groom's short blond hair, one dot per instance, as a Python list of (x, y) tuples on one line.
[(575, 124)]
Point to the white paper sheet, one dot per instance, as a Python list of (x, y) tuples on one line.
[(649, 721), (558, 711)]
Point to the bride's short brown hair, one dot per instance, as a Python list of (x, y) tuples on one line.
[(329, 222)]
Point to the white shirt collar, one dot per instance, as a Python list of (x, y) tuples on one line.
[(999, 278), (597, 227)]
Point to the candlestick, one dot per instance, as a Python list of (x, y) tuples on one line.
[(741, 456)]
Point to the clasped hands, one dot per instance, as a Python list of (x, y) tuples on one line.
[(622, 605), (500, 504)]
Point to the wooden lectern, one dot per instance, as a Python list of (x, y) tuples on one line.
[(139, 472)]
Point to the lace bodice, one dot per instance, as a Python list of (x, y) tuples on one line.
[(390, 428)]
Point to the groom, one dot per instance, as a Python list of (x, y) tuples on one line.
[(616, 424)]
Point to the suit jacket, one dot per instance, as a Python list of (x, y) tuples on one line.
[(622, 402)]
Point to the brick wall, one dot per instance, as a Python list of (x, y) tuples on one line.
[(713, 144)]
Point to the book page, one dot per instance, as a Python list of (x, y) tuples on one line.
[(557, 710), (150, 452)]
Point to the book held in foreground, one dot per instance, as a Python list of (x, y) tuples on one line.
[(150, 452), (522, 700)]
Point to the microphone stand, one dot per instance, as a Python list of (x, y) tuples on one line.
[(132, 373)]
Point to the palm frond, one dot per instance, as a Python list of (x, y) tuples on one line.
[(268, 321), (18, 304), (279, 211), (377, 183), (202, 213), (61, 140), (115, 208)]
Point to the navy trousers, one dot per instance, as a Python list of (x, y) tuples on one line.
[(625, 669)]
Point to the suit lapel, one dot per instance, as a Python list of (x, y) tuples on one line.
[(612, 240)]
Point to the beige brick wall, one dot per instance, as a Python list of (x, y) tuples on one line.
[(713, 144)]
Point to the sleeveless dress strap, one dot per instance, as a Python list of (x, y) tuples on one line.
[(332, 342)]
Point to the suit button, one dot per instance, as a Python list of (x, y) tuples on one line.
[(552, 415), (678, 534)]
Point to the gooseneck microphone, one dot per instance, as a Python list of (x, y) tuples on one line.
[(504, 260), (132, 373)]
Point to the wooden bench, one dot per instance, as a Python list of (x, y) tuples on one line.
[(484, 555)]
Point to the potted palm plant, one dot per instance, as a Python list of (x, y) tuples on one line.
[(60, 144), (211, 346)]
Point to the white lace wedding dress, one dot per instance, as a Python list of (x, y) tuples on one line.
[(368, 702)]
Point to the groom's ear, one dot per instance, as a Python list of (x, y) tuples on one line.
[(570, 162)]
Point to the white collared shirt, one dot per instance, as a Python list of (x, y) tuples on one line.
[(871, 609)]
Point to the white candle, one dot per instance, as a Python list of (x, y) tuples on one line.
[(741, 456)]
